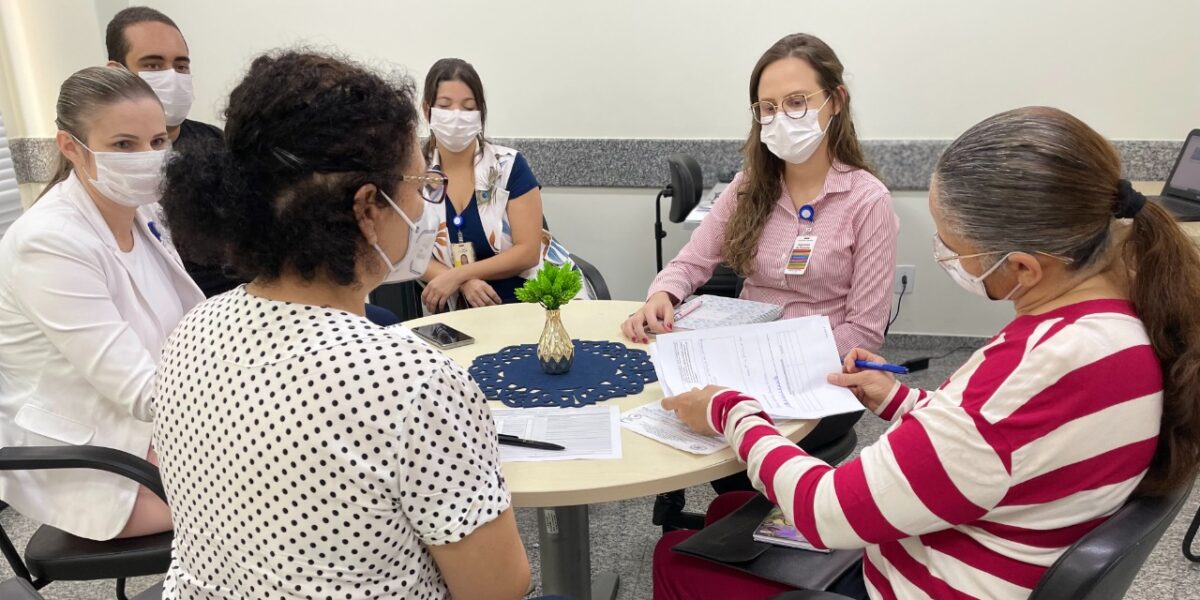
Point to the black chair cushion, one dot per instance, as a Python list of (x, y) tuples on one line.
[(18, 589), (56, 555), (837, 451), (830, 430)]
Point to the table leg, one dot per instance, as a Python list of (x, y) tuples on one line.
[(565, 548)]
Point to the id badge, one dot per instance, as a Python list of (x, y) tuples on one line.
[(463, 253), (801, 255)]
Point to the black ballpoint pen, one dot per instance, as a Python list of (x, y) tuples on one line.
[(513, 440)]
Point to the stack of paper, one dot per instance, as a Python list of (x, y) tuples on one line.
[(656, 423), (783, 365), (590, 432)]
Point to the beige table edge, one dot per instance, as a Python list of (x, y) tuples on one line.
[(646, 468)]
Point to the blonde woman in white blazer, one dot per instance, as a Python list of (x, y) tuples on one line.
[(89, 293)]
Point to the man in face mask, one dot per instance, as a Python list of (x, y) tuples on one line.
[(149, 43)]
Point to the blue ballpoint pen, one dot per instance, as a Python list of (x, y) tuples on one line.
[(866, 364)]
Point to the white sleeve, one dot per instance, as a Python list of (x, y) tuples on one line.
[(450, 479), (65, 293)]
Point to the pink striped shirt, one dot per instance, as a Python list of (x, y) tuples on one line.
[(849, 276), (979, 486)]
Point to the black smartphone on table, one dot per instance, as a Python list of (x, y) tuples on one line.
[(443, 336)]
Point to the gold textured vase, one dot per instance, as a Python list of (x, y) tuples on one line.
[(555, 351)]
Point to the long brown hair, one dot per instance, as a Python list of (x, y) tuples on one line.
[(763, 171), (84, 94), (453, 69), (1039, 179)]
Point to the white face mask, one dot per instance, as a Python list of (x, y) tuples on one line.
[(455, 129), (174, 90), (128, 178), (794, 140), (421, 238), (952, 264)]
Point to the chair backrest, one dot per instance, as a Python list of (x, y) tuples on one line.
[(687, 185), (403, 299), (593, 278), (1102, 564)]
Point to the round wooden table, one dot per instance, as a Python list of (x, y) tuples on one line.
[(561, 490)]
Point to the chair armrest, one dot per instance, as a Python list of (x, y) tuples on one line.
[(593, 276), (39, 458), (809, 595)]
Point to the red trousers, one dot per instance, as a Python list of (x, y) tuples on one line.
[(680, 577)]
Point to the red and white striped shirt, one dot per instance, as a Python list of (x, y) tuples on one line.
[(979, 486), (849, 276)]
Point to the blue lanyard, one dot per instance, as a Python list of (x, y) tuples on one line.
[(458, 222), (808, 215)]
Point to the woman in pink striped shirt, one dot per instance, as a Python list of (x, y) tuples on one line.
[(1087, 397), (802, 151)]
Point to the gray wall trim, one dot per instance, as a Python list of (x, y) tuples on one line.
[(34, 159), (902, 164)]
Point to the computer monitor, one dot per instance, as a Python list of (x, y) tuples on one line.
[(1184, 181)]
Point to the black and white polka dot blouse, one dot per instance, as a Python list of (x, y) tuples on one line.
[(308, 453)]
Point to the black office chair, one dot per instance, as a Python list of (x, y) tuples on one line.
[(403, 299), (55, 555), (1102, 564), (591, 275), (20, 589), (1190, 537), (685, 189), (687, 183), (593, 278)]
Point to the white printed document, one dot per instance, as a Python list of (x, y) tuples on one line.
[(656, 423), (782, 364), (590, 432)]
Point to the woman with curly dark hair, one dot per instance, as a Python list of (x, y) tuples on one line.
[(305, 451)]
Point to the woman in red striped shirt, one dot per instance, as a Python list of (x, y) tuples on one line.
[(802, 150), (1087, 397)]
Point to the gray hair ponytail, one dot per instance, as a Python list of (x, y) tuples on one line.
[(1034, 180), (1039, 180)]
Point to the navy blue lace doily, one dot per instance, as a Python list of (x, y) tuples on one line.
[(602, 370)]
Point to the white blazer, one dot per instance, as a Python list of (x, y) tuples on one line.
[(78, 354)]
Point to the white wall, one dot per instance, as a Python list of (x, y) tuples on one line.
[(679, 68), (41, 43)]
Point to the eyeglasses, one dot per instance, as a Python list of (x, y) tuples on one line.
[(794, 106), (943, 253), (433, 185)]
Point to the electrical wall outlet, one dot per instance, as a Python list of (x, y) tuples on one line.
[(906, 279)]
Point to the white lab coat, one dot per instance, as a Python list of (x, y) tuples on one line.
[(76, 365)]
